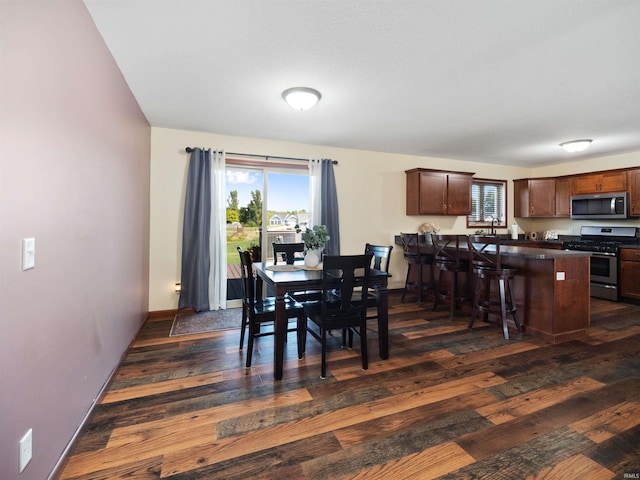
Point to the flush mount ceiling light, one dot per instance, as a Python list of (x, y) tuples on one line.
[(576, 145), (301, 98)]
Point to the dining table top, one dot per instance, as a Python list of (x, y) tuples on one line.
[(300, 274)]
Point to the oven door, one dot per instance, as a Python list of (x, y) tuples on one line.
[(604, 268)]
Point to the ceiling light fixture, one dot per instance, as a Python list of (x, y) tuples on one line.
[(576, 145), (301, 98)]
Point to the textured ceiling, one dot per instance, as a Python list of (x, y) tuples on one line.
[(498, 81)]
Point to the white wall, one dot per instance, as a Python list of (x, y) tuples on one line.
[(371, 197)]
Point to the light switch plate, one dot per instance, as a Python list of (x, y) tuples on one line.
[(28, 253), (560, 276)]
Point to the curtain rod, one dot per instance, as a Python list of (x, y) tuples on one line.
[(266, 157)]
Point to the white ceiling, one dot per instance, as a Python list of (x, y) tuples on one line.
[(498, 81)]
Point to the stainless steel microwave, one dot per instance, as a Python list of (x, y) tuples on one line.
[(600, 206)]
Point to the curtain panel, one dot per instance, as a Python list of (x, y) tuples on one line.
[(203, 277)]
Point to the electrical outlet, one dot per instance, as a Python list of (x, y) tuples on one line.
[(25, 445)]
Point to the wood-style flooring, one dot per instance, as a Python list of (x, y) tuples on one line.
[(449, 403)]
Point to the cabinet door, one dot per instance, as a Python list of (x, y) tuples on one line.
[(634, 192), (563, 199), (433, 193), (613, 182), (582, 184), (521, 198), (542, 197), (459, 194), (599, 183), (630, 273)]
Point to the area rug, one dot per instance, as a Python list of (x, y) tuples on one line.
[(202, 322)]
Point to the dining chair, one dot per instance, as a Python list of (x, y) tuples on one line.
[(451, 261), (287, 252), (258, 311), (348, 310), (488, 268), (380, 261), (416, 260)]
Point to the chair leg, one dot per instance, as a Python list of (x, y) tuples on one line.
[(452, 298), (503, 308), (301, 335), (252, 331), (406, 282), (363, 345), (476, 302), (436, 301), (323, 335), (244, 324), (512, 300), (420, 283)]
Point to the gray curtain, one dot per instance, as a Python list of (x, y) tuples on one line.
[(195, 233), (329, 212)]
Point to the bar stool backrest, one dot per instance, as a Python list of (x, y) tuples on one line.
[(485, 251)]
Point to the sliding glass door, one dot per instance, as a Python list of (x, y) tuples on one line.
[(263, 206)]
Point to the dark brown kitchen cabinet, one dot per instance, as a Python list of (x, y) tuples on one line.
[(634, 192), (630, 273), (600, 182), (436, 192), (534, 197), (563, 197)]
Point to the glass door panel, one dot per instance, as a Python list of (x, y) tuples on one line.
[(244, 189), (285, 193), (287, 200)]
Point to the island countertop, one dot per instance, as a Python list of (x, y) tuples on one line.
[(540, 253)]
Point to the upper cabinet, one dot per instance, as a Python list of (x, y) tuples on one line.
[(634, 192), (541, 197), (600, 182), (563, 197), (436, 192)]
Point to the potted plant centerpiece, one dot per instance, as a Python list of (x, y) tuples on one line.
[(315, 239), (427, 229)]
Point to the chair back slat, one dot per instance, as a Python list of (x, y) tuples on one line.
[(485, 250), (381, 256), (446, 248), (247, 278), (342, 273), (287, 251), (410, 244)]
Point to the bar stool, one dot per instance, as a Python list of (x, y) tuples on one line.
[(416, 259), (451, 260), (488, 268)]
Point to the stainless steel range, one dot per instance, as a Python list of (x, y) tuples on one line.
[(604, 243)]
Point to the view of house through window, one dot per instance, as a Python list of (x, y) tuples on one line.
[(488, 204), (263, 206)]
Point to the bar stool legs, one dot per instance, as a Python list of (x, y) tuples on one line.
[(452, 295), (419, 285), (505, 304)]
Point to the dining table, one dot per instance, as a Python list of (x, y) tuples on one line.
[(284, 279)]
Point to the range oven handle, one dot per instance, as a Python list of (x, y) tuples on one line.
[(603, 254)]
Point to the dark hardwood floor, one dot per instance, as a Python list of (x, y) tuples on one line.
[(449, 403)]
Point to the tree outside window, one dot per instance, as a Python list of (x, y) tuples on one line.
[(488, 203)]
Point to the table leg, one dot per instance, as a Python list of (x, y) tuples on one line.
[(280, 329), (383, 321)]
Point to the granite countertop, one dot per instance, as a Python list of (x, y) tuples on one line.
[(540, 253)]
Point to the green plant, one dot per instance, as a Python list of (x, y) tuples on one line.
[(314, 238)]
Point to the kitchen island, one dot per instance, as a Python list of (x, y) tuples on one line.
[(552, 290)]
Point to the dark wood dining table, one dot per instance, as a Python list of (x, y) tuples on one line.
[(295, 278)]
